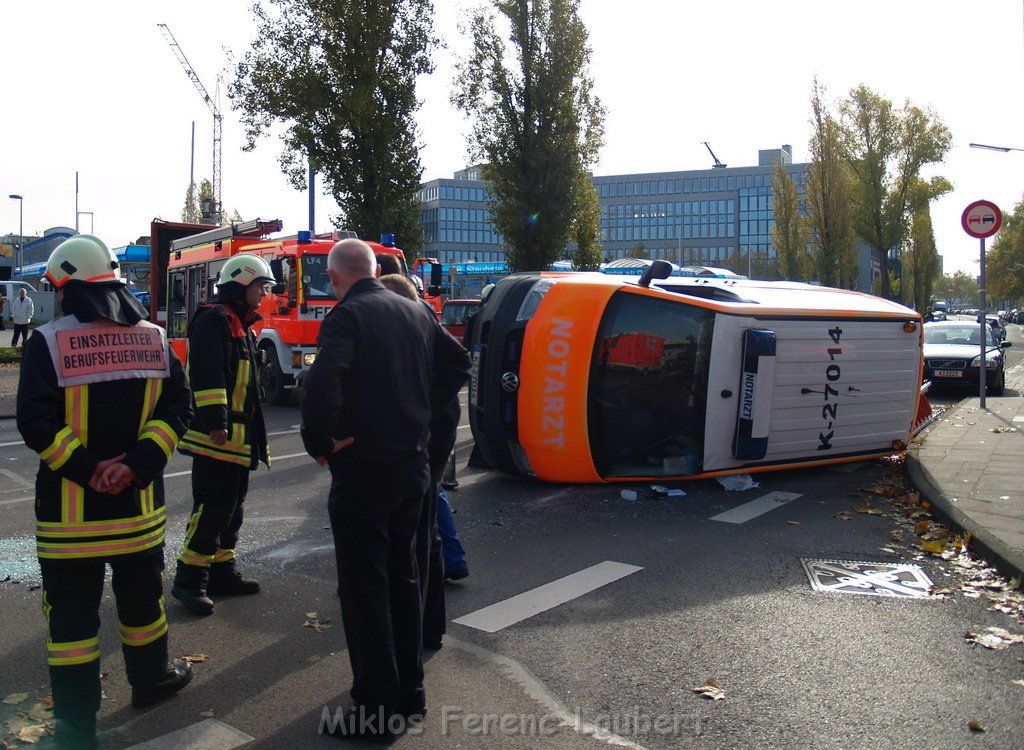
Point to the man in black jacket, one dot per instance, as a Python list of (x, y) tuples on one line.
[(374, 342)]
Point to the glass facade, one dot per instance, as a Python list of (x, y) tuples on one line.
[(693, 217)]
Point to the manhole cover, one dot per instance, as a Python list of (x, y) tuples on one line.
[(873, 578)]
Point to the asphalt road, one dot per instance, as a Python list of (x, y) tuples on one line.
[(707, 599)]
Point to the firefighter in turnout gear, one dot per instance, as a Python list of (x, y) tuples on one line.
[(103, 400), (228, 438)]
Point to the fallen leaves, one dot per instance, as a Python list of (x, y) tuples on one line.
[(996, 638), (976, 726), (15, 698), (28, 726), (207, 713), (318, 624), (195, 658), (711, 689)]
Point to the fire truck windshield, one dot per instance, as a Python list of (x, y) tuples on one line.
[(648, 387), (316, 284)]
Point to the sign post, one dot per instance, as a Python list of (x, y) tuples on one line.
[(982, 219)]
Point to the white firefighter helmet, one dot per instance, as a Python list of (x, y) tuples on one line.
[(244, 269), (418, 283), (82, 258)]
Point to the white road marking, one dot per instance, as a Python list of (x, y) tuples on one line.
[(282, 432), (17, 478), (522, 606), (209, 734), (8, 445), (755, 508), (14, 500)]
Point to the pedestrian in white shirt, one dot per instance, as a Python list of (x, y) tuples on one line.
[(22, 310)]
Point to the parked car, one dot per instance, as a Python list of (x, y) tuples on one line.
[(996, 325), (455, 314), (951, 355)]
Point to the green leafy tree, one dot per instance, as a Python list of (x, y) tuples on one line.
[(340, 75), (200, 208), (1004, 261), (637, 251), (920, 262), (586, 227), (887, 150), (959, 289), (190, 212), (754, 266), (536, 125), (828, 198), (789, 234)]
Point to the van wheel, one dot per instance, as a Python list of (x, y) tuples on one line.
[(272, 380)]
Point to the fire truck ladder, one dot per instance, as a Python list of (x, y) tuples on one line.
[(218, 118)]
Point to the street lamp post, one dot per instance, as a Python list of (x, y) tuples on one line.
[(987, 147), (21, 228)]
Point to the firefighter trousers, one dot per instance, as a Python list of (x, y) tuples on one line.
[(218, 494), (72, 593)]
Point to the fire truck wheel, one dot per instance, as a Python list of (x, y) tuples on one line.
[(272, 380)]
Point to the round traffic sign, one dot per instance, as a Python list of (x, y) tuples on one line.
[(981, 219)]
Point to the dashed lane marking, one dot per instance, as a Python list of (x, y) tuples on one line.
[(755, 508), (522, 606), (272, 458), (17, 478), (209, 734)]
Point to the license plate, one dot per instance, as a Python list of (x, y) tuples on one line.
[(949, 374)]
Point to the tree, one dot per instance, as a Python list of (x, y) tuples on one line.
[(341, 76), (827, 195), (789, 234), (886, 150), (959, 290), (920, 262), (637, 251), (586, 227), (1004, 262), (199, 207), (536, 126)]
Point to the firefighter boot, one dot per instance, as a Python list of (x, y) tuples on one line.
[(75, 734), (190, 589), (225, 580), (177, 676)]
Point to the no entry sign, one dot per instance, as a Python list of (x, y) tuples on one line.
[(981, 219)]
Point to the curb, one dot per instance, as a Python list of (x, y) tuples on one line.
[(983, 542)]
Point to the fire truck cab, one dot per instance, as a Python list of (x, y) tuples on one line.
[(291, 313)]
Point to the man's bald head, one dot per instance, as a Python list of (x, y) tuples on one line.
[(348, 262)]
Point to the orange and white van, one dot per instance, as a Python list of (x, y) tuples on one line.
[(585, 377)]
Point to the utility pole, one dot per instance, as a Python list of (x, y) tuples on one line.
[(218, 118)]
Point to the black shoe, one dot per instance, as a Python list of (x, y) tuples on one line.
[(178, 675), (225, 580), (413, 708), (75, 734), (456, 574), (355, 725), (195, 600), (189, 588)]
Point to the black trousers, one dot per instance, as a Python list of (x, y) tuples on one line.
[(374, 514), (218, 493), (430, 564), (71, 602), (20, 329)]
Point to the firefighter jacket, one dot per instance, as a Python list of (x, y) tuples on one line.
[(89, 392), (222, 371)]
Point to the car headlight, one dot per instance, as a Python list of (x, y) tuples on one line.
[(309, 359), (533, 298), (990, 364)]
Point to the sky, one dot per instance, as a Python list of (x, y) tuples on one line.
[(94, 88)]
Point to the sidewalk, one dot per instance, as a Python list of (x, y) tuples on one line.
[(970, 465), (9, 375)]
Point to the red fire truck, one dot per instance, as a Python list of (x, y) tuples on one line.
[(291, 313)]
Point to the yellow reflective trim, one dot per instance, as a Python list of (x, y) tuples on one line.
[(211, 397), (145, 634), (241, 381), (75, 550), (223, 555), (154, 387), (59, 451), (189, 557), (160, 433), (109, 526), (73, 652), (72, 502)]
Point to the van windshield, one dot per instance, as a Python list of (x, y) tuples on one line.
[(648, 387), (316, 284)]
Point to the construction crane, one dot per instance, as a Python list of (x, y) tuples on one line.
[(218, 118), (717, 164)]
